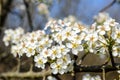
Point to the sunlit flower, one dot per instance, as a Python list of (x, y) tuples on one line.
[(59, 37), (30, 51), (55, 53), (76, 47), (68, 33), (92, 37), (57, 67), (13, 36), (79, 27), (40, 61), (116, 35), (63, 49), (102, 29)]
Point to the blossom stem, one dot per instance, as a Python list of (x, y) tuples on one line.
[(18, 66), (103, 73), (110, 52)]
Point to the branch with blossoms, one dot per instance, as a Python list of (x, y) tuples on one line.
[(66, 40)]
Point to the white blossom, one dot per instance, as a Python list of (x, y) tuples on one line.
[(40, 61)]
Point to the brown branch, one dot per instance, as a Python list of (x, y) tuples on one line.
[(108, 6), (81, 68), (103, 73), (26, 74)]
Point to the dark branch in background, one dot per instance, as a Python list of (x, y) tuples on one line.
[(28, 14), (97, 68), (108, 6), (5, 9)]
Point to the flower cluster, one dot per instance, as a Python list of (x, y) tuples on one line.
[(13, 36), (44, 51), (65, 40), (89, 77), (108, 34)]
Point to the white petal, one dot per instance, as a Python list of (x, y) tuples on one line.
[(69, 45), (61, 71), (115, 53), (75, 51), (55, 71), (58, 55), (53, 65), (102, 32)]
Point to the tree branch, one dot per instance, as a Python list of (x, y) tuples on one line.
[(26, 74), (108, 6), (97, 68), (81, 59)]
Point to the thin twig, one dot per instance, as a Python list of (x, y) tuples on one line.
[(82, 58), (18, 65), (103, 73), (31, 65), (108, 6), (107, 61), (110, 53), (44, 77)]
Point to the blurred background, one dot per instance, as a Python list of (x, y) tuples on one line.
[(34, 14), (14, 12)]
